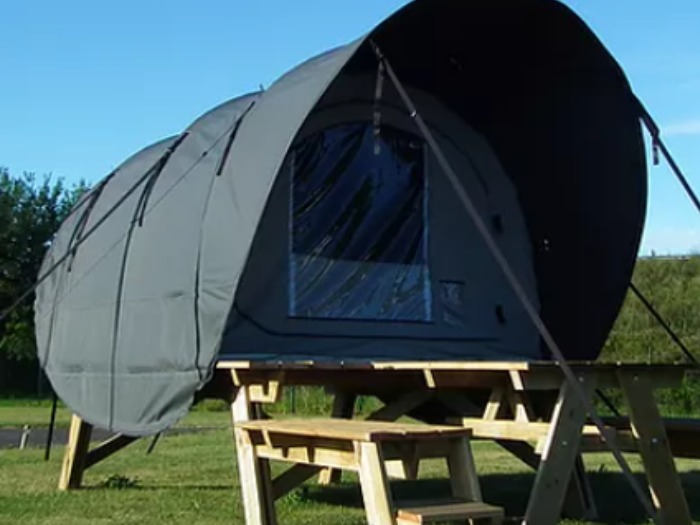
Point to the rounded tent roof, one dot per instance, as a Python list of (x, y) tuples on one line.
[(129, 330)]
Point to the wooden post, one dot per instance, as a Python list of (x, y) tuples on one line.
[(75, 454), (463, 478), (579, 502), (375, 486), (559, 455), (343, 407), (494, 407), (258, 500), (650, 434)]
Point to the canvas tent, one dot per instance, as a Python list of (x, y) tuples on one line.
[(312, 220)]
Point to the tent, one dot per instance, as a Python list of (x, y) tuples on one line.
[(312, 220)]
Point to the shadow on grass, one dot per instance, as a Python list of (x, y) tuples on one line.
[(615, 500), (160, 487)]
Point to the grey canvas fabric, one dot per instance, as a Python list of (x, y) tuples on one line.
[(260, 322), (198, 262)]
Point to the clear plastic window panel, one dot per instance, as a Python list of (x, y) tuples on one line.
[(359, 226)]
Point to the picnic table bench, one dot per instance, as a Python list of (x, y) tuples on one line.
[(363, 447)]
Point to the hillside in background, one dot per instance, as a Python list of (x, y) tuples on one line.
[(672, 286)]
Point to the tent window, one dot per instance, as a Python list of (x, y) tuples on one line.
[(358, 226)]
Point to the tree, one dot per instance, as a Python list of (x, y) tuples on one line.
[(31, 210)]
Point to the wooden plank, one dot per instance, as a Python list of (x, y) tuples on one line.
[(559, 455), (436, 379), (683, 435), (523, 451), (526, 366), (624, 439), (648, 429), (403, 469), (452, 365), (75, 454), (401, 406), (327, 453), (579, 502), (356, 380), (547, 378), (464, 481), (258, 503), (292, 478), (439, 511), (407, 466), (107, 448), (309, 455), (343, 407), (494, 406), (514, 430), (353, 430), (269, 391), (517, 398), (376, 494), (267, 491)]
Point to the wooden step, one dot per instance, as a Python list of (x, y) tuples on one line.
[(419, 512)]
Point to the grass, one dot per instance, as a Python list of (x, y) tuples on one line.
[(211, 413), (17, 414), (191, 479)]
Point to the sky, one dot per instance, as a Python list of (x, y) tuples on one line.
[(84, 84)]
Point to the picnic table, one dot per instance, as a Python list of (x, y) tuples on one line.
[(526, 407)]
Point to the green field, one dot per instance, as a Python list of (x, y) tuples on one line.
[(191, 479), (36, 414)]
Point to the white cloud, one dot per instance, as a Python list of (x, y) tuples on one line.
[(690, 127), (670, 241)]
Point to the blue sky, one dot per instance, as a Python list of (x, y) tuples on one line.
[(84, 84)]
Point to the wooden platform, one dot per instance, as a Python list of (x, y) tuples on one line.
[(513, 417), (417, 513), (531, 411), (352, 429)]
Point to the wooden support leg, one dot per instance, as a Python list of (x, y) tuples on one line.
[(258, 500), (650, 434), (463, 478), (559, 456), (292, 478), (75, 455), (579, 502), (495, 409), (343, 407), (375, 486)]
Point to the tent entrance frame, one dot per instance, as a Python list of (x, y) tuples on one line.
[(551, 443)]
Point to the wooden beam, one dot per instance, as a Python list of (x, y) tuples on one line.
[(75, 454), (494, 406), (464, 481), (559, 455), (268, 391), (375, 485), (343, 407), (648, 429), (258, 500), (107, 448), (579, 502), (400, 406), (292, 478)]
